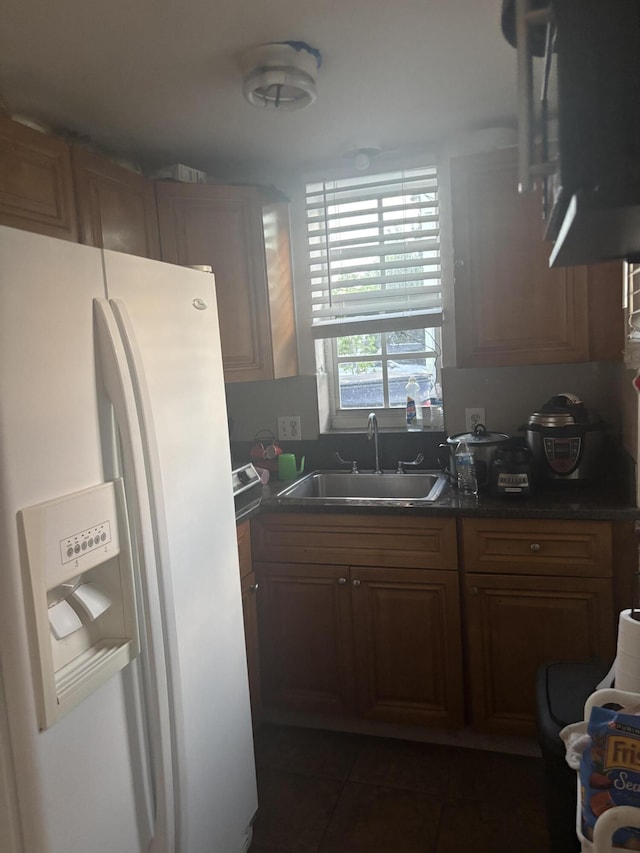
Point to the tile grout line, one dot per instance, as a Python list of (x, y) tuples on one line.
[(345, 782)]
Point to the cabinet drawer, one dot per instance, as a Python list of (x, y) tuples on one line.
[(356, 540), (534, 547)]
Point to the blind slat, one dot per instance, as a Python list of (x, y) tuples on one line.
[(391, 322), (348, 248), (421, 294)]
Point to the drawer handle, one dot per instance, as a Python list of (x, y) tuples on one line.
[(254, 587), (356, 583), (342, 581), (534, 547)]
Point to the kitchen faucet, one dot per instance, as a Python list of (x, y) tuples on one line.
[(372, 433)]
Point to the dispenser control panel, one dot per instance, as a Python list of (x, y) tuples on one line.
[(73, 533), (87, 540), (79, 595)]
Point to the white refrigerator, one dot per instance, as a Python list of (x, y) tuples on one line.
[(124, 707)]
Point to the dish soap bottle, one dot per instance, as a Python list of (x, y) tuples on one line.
[(466, 470), (414, 409)]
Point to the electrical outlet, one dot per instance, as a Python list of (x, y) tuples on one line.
[(473, 417), (289, 428)]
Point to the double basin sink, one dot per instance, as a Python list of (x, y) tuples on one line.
[(341, 487)]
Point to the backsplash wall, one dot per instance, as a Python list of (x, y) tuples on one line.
[(508, 395)]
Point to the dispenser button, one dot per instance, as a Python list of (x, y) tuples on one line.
[(63, 620)]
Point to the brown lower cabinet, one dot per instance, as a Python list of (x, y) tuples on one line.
[(514, 625), (250, 589), (406, 639), (306, 645), (380, 642), (534, 592), (371, 617)]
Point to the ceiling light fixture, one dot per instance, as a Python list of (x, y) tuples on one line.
[(281, 75)]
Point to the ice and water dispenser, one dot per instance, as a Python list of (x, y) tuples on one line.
[(79, 595)]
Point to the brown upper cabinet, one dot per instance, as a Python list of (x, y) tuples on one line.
[(511, 309), (116, 206), (36, 187), (244, 236)]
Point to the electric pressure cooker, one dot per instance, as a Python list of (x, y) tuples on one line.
[(565, 440)]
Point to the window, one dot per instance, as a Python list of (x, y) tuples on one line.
[(632, 310), (376, 293)]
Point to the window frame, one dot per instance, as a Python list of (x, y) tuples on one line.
[(389, 417)]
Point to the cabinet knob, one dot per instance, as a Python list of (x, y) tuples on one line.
[(474, 591), (356, 583), (342, 581), (254, 587), (534, 547)]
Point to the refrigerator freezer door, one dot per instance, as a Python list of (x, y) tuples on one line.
[(168, 319), (76, 785)]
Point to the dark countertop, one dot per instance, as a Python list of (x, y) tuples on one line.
[(566, 501)]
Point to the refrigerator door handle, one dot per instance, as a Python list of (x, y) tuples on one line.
[(116, 377)]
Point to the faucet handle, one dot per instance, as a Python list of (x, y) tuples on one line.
[(402, 465), (352, 462)]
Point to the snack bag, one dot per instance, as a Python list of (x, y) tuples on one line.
[(610, 771)]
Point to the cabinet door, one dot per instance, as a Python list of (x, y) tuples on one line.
[(250, 612), (36, 188), (116, 207), (243, 535), (407, 646), (222, 227), (515, 624), (306, 639), (511, 308)]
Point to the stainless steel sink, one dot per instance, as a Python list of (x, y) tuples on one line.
[(343, 487)]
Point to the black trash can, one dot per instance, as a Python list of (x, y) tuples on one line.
[(561, 691)]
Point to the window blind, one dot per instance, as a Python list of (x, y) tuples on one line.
[(374, 252)]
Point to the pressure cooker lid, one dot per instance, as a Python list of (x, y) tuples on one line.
[(559, 411), (479, 436)]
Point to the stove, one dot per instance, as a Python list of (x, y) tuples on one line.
[(247, 489)]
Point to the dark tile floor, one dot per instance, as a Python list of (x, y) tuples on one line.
[(327, 792)]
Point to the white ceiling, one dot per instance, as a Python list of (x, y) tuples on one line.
[(159, 79)]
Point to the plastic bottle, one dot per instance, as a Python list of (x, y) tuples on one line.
[(466, 469), (414, 409), (437, 411)]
